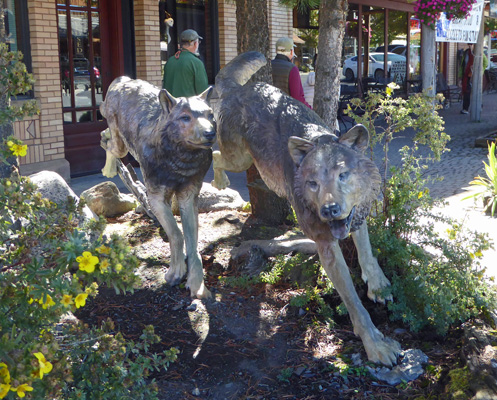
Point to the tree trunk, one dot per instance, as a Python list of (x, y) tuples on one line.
[(7, 128), (253, 34), (428, 66), (332, 18), (477, 80)]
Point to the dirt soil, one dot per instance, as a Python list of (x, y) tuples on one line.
[(250, 343)]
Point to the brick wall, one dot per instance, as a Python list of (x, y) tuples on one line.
[(43, 134), (280, 21), (147, 41), (227, 31)]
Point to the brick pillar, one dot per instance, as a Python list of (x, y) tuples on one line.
[(280, 20), (147, 41), (45, 138), (227, 31)]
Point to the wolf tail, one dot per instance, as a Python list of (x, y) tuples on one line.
[(238, 71)]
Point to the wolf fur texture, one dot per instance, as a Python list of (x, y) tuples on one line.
[(172, 140), (328, 180)]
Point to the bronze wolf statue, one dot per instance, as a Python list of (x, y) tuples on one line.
[(328, 180), (171, 138)]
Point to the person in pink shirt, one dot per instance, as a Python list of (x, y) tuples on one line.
[(286, 75)]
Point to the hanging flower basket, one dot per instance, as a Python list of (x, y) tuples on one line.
[(428, 11)]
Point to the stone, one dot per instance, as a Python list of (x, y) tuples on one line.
[(105, 199), (408, 370), (212, 199), (53, 187)]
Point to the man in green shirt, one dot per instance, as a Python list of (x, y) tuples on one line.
[(184, 74)]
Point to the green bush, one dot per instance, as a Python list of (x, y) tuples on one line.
[(436, 280), (49, 267)]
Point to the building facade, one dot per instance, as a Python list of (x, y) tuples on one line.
[(75, 48)]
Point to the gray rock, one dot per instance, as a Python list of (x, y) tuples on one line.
[(53, 187), (106, 200), (212, 199), (408, 370)]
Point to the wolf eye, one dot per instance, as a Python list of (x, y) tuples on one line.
[(343, 176), (313, 185), (210, 117), (185, 118)]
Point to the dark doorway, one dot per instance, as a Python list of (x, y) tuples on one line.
[(88, 63)]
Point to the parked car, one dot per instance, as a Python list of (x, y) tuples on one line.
[(391, 48), (376, 61)]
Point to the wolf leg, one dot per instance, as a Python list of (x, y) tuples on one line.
[(378, 348), (372, 274), (237, 162), (110, 168), (162, 210), (114, 147), (189, 219)]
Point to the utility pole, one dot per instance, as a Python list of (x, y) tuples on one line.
[(477, 79)]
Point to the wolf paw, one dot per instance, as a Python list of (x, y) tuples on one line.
[(376, 283), (384, 351), (221, 181), (201, 292), (175, 275)]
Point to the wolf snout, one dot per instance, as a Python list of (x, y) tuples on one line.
[(210, 135), (332, 210)]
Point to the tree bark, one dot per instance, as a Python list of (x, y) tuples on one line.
[(253, 34), (332, 18), (428, 66)]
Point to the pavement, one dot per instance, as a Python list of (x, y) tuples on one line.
[(458, 167)]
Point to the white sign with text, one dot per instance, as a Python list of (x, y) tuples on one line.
[(460, 30)]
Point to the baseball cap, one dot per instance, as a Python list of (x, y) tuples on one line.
[(189, 36), (284, 44)]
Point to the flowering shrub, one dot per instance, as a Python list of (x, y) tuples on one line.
[(437, 279), (49, 267), (428, 11)]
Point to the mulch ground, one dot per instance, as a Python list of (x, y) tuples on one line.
[(250, 343)]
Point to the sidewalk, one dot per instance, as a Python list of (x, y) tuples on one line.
[(458, 167)]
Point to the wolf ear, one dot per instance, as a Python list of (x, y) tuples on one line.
[(356, 137), (167, 100), (299, 148), (206, 94)]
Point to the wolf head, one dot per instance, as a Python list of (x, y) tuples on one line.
[(188, 120), (334, 179)]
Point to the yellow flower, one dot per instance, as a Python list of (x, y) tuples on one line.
[(4, 373), (10, 143), (119, 267), (48, 302), (80, 300), (19, 150), (103, 266), (103, 249), (4, 390), (67, 300), (22, 389), (87, 262), (389, 91), (45, 366)]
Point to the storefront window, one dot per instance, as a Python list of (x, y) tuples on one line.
[(17, 28)]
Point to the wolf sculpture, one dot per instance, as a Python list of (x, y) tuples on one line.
[(171, 138), (328, 180)]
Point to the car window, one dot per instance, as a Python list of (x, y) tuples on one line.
[(354, 59), (399, 50), (378, 57), (396, 57)]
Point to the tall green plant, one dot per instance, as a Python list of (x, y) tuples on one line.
[(487, 187)]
